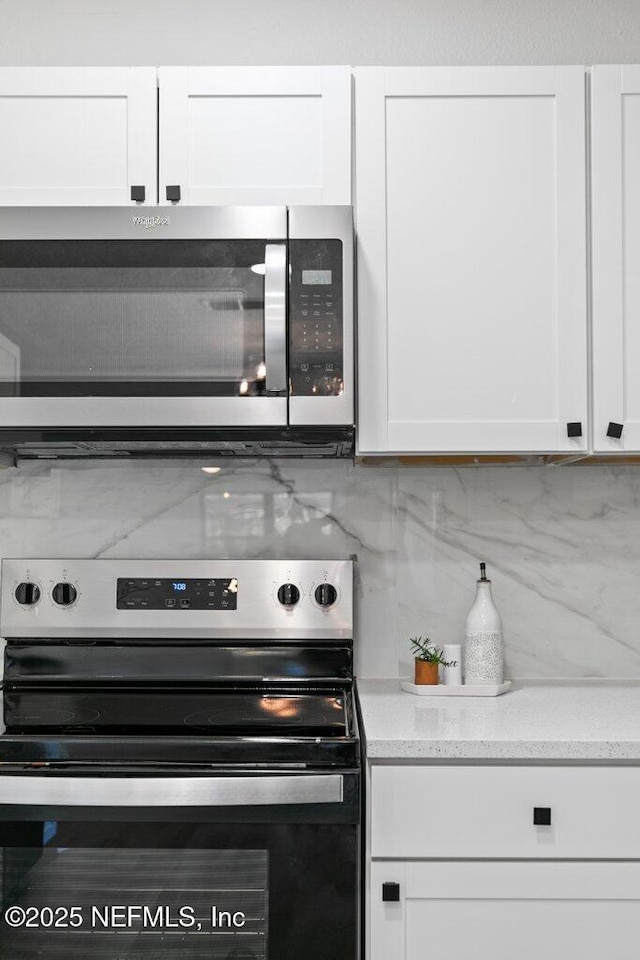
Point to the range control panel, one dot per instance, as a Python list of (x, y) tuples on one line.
[(175, 593), (266, 600), (316, 318)]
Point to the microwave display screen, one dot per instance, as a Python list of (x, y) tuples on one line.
[(316, 278)]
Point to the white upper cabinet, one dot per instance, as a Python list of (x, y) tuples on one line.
[(77, 135), (263, 135), (616, 258), (471, 221)]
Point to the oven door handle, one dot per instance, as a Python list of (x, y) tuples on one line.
[(45, 790), (275, 317)]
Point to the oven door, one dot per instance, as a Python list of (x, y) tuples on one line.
[(175, 317), (179, 868)]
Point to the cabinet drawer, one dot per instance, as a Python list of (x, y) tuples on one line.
[(556, 910), (429, 811)]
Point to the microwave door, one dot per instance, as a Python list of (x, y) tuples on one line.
[(153, 333)]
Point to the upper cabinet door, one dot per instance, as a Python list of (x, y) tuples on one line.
[(255, 135), (77, 135), (471, 221), (616, 258)]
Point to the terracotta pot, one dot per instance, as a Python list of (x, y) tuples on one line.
[(426, 672)]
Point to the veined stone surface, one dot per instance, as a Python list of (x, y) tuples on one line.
[(562, 543)]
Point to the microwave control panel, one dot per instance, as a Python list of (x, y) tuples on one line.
[(316, 318)]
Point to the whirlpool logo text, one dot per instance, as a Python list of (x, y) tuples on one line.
[(148, 222)]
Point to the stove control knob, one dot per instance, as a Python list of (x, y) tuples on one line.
[(27, 594), (64, 594), (326, 595), (288, 594)]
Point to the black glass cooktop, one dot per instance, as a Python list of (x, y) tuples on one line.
[(156, 711), (140, 703), (257, 728)]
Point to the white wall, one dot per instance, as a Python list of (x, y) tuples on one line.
[(354, 32)]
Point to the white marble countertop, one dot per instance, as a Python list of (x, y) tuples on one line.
[(535, 720)]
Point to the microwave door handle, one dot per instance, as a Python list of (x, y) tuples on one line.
[(275, 317), (44, 790)]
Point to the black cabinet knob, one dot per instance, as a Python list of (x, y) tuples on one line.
[(288, 594), (574, 429), (542, 816), (27, 594), (138, 194), (391, 892), (173, 193), (64, 594), (614, 430), (326, 595)]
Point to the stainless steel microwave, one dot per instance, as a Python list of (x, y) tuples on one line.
[(176, 330)]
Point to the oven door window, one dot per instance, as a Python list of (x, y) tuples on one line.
[(177, 891), (148, 318)]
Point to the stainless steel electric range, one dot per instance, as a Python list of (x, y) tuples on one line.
[(179, 763)]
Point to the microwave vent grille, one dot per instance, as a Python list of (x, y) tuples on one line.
[(304, 442)]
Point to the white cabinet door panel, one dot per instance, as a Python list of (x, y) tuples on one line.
[(616, 254), (77, 135), (256, 135), (500, 911), (472, 256)]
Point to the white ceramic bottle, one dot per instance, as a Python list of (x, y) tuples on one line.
[(483, 649)]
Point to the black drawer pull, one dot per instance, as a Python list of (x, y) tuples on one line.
[(391, 892), (542, 816), (173, 193), (574, 429), (614, 430), (138, 194)]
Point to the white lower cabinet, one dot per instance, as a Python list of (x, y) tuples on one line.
[(506, 910), (508, 862)]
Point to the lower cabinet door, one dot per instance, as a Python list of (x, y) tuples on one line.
[(500, 910)]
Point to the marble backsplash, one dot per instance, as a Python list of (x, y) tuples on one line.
[(562, 543)]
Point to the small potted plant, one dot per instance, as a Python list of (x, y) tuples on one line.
[(427, 659)]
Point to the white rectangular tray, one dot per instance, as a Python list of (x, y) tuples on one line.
[(451, 690)]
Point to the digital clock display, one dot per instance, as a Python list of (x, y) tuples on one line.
[(179, 586), (316, 278)]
